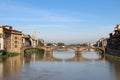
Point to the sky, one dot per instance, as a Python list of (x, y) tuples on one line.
[(68, 21)]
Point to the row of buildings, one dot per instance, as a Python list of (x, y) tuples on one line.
[(13, 40), (112, 44), (101, 42)]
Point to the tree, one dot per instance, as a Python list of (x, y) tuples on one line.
[(49, 44), (40, 43), (61, 44)]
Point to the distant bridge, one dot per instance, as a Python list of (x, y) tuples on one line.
[(52, 48), (48, 56)]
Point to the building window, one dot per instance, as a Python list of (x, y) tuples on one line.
[(15, 46), (15, 41), (15, 37)]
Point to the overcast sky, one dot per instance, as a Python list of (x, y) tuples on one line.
[(69, 21)]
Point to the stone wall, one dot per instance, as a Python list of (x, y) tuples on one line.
[(113, 52)]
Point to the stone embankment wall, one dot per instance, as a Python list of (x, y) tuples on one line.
[(113, 52)]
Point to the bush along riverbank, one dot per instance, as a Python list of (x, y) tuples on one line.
[(109, 56), (31, 51), (112, 57), (9, 54), (98, 50)]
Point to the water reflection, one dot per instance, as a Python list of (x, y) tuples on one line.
[(33, 57), (10, 65), (65, 55), (117, 70), (45, 66), (71, 55)]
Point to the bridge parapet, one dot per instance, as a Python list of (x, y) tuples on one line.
[(78, 48), (45, 48), (51, 48)]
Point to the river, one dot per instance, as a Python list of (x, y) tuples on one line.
[(60, 65)]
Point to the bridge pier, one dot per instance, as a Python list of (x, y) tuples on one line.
[(48, 55), (78, 56), (48, 48), (78, 53)]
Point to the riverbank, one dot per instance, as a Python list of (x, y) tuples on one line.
[(9, 54), (112, 57), (31, 51), (109, 56)]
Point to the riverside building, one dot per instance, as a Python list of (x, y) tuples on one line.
[(10, 39)]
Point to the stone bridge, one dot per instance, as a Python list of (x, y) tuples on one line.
[(78, 48), (48, 56), (51, 48)]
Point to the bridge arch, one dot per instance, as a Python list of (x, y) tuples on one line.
[(78, 57), (78, 48)]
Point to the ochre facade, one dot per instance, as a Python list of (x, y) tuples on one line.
[(10, 39)]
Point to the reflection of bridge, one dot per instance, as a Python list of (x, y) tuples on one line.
[(51, 48), (48, 56)]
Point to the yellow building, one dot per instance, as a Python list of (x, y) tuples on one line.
[(34, 41), (117, 27), (26, 40), (10, 39)]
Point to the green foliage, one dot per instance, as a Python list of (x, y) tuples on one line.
[(98, 50), (31, 51), (9, 54), (49, 44), (61, 44), (40, 43), (84, 44), (112, 57), (40, 55)]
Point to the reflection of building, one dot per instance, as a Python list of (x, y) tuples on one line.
[(10, 39), (117, 70), (12, 65), (1, 70)]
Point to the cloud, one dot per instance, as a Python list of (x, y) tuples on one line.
[(42, 26), (21, 13), (45, 19), (51, 25)]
